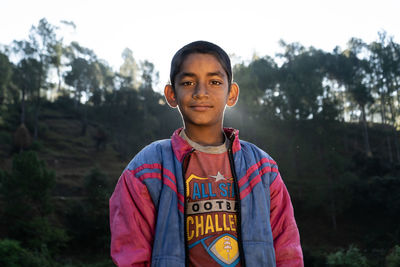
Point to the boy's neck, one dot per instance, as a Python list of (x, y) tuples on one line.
[(205, 136)]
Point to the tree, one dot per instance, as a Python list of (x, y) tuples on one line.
[(106, 82), (129, 69), (27, 78), (256, 81), (300, 81), (359, 91), (385, 65), (41, 40), (84, 78), (57, 52), (349, 258), (56, 57), (81, 78), (351, 73), (149, 75), (27, 202), (5, 75), (88, 218), (13, 255)]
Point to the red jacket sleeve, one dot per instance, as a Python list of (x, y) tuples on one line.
[(132, 222), (286, 236)]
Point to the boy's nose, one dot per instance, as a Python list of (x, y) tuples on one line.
[(201, 90)]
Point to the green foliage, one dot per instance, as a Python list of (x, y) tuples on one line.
[(97, 188), (88, 219), (313, 257), (5, 76), (13, 255), (29, 185), (36, 145), (129, 68), (82, 76), (375, 196), (66, 104), (39, 233), (28, 77), (393, 258), (5, 138), (352, 257), (300, 82), (99, 263), (27, 203)]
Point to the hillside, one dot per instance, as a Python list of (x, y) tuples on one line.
[(321, 167), (69, 154)]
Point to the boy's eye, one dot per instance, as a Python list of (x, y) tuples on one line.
[(187, 83), (216, 82)]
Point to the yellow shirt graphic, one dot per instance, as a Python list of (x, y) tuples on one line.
[(211, 211)]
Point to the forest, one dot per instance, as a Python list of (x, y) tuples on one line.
[(70, 123)]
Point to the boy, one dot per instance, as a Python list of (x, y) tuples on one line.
[(203, 197)]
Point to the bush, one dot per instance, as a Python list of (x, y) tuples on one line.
[(27, 190), (349, 258), (5, 138), (66, 104), (39, 233), (27, 204), (88, 219), (36, 145), (13, 255), (6, 143), (313, 257), (393, 259)]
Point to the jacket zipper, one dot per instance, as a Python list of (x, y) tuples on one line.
[(184, 168), (239, 214)]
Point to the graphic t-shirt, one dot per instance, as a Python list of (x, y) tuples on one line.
[(211, 207)]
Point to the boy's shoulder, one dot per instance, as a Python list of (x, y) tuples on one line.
[(151, 153), (257, 152)]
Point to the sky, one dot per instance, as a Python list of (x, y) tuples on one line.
[(155, 30)]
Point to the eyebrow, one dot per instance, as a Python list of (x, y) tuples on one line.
[(191, 74)]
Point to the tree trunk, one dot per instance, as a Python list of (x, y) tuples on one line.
[(297, 175), (37, 105), (365, 131), (77, 98), (36, 126), (393, 126), (345, 137), (59, 79), (396, 144), (389, 148), (332, 205), (2, 95), (36, 122), (383, 110), (23, 107), (84, 120)]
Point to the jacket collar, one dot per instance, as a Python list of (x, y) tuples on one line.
[(181, 147)]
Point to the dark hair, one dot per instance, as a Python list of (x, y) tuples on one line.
[(201, 47)]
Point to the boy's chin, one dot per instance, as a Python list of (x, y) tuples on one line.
[(201, 124)]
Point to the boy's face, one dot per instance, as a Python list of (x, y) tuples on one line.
[(201, 91)]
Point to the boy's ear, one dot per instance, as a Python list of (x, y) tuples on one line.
[(233, 95), (170, 96)]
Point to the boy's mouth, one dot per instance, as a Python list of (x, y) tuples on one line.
[(201, 107)]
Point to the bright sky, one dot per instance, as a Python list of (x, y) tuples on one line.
[(154, 30)]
